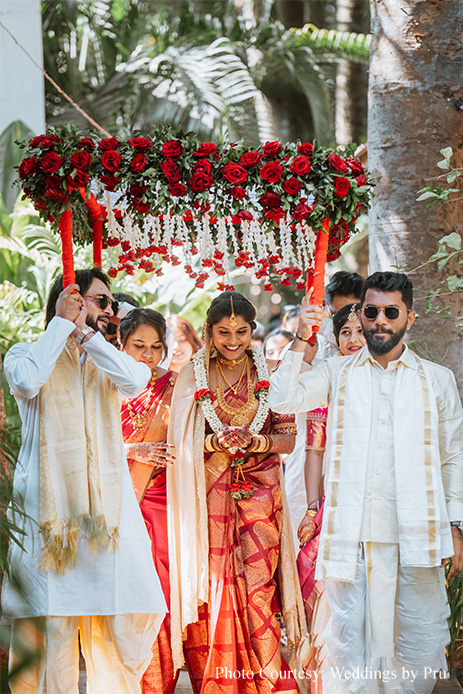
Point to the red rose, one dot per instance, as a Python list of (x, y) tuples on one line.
[(171, 171), (204, 166), (86, 143), (246, 486), (172, 149), (112, 272), (51, 162), (300, 166), (200, 182), (272, 171), (270, 199), (109, 143), (109, 182), (53, 181), (249, 159), (234, 173), (54, 194), (111, 160), (137, 190), (35, 142), (177, 190), (238, 193), (305, 148), (138, 163), (274, 215), (141, 144), (292, 186), (271, 149), (301, 211), (49, 140), (81, 160), (337, 163), (333, 254), (141, 206), (28, 167), (341, 186), (40, 204), (78, 179), (361, 180), (355, 166), (244, 215), (205, 149)]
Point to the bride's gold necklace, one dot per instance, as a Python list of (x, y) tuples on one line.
[(139, 419), (236, 385), (239, 414), (231, 364)]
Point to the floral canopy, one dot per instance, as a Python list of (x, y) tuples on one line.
[(274, 209)]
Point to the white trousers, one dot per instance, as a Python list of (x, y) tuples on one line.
[(416, 619), (44, 653)]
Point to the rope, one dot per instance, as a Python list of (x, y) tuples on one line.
[(57, 87)]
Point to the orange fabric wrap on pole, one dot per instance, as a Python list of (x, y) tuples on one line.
[(316, 279), (97, 215), (65, 229)]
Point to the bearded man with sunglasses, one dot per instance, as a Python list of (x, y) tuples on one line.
[(393, 495), (85, 570)]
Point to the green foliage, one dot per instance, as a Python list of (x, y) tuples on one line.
[(437, 194), (10, 157), (455, 598), (329, 45)]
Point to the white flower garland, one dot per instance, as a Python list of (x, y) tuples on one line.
[(210, 414)]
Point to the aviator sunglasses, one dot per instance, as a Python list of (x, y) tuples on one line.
[(391, 312), (103, 302)]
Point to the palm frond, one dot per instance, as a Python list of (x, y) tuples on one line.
[(332, 44)]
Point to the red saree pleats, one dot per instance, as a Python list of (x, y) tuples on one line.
[(234, 648)]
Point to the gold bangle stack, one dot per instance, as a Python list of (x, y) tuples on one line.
[(311, 512), (208, 443), (260, 444)]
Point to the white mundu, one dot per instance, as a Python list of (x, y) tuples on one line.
[(113, 597), (393, 483)]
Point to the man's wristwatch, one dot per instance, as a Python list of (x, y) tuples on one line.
[(85, 331), (457, 524)]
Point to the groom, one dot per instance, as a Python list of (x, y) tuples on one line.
[(394, 494)]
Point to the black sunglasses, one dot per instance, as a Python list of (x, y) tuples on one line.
[(103, 302), (391, 312)]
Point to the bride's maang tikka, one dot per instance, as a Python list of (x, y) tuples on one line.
[(233, 320)]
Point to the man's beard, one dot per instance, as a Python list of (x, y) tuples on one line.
[(380, 348), (94, 324)]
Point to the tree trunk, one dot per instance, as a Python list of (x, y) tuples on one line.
[(415, 87), (351, 78)]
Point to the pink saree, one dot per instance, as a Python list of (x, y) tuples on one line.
[(150, 487)]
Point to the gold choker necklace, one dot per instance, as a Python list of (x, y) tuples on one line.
[(231, 364)]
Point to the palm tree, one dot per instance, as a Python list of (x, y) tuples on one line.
[(414, 112)]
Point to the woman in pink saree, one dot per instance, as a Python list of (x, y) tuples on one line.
[(233, 576), (144, 427)]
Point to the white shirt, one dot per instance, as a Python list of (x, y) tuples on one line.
[(122, 582)]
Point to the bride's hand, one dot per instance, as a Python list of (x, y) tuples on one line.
[(156, 454), (306, 530)]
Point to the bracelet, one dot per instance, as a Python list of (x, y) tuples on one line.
[(208, 446), (260, 444), (311, 512), (85, 331), (298, 337)]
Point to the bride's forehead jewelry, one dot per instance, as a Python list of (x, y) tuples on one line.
[(352, 315), (233, 320)]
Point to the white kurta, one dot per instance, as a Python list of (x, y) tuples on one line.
[(102, 583)]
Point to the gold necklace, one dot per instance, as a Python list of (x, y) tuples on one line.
[(231, 364), (234, 387), (238, 414), (139, 419)]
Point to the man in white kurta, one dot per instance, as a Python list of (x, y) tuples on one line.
[(393, 486), (112, 598)]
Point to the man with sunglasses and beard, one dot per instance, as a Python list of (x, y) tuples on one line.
[(85, 572), (394, 495)]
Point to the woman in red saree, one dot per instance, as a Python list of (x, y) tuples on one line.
[(144, 426), (234, 572), (349, 337)]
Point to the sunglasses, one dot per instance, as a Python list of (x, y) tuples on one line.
[(103, 302), (391, 312)]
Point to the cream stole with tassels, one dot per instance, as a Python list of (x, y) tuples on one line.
[(423, 524), (80, 461)]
